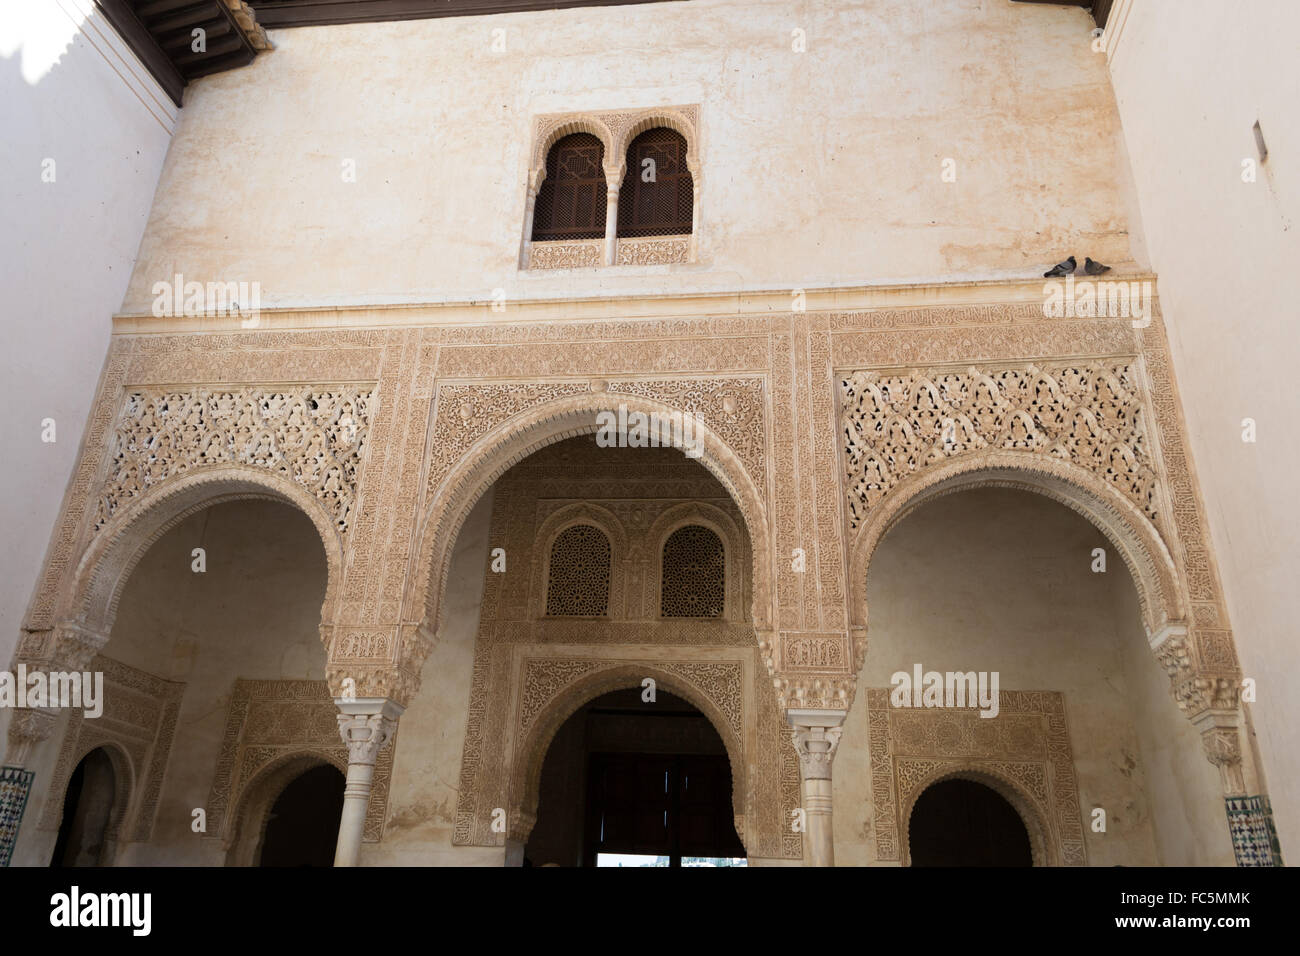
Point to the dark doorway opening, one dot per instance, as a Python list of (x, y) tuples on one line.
[(963, 823), (87, 812), (632, 783), (304, 823)]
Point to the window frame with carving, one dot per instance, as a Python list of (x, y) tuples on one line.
[(617, 131)]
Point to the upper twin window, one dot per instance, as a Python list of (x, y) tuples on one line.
[(655, 198), (652, 186)]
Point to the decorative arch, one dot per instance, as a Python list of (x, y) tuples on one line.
[(1134, 537), (553, 133), (90, 602), (562, 520), (252, 813), (524, 783), (733, 543), (452, 498), (124, 776), (673, 120), (1042, 846)]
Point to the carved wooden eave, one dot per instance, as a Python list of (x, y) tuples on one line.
[(162, 34), (278, 14)]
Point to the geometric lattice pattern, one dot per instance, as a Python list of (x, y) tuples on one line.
[(694, 574), (310, 436), (579, 573), (571, 200), (1254, 837), (15, 784), (657, 193), (894, 424)]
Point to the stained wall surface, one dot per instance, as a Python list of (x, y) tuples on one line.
[(85, 133), (818, 168), (1191, 80)]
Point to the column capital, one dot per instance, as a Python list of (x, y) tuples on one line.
[(1221, 740), (28, 727), (816, 735), (366, 724)]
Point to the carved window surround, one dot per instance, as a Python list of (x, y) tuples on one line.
[(615, 130), (136, 730), (1024, 753)]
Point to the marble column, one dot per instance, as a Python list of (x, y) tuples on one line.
[(816, 734), (366, 725)]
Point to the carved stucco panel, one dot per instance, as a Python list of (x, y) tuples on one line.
[(1026, 746), (270, 720), (139, 717)]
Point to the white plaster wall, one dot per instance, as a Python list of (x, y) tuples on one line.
[(431, 735), (1191, 78), (254, 613), (999, 580), (819, 168), (72, 92)]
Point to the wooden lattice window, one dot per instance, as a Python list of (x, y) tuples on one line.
[(694, 574), (578, 583), (657, 194), (571, 200)]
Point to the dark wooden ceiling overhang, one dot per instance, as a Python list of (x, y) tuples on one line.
[(276, 14), (161, 33), (1100, 8)]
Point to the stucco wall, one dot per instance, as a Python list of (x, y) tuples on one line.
[(1191, 79), (72, 93), (818, 168)]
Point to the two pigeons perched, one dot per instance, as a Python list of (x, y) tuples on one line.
[(1066, 268)]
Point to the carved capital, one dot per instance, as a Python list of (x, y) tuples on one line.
[(1201, 695), (27, 728), (366, 726), (1222, 744), (816, 735), (362, 682), (75, 646)]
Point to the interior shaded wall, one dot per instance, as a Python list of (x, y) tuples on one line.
[(1001, 580)]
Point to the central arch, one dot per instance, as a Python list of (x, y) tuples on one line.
[(450, 502), (524, 783)]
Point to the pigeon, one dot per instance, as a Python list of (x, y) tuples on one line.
[(1092, 267), (1065, 268)]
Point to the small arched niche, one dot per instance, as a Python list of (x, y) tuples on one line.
[(92, 808), (964, 822)]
